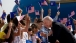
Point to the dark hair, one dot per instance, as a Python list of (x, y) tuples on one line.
[(8, 18), (22, 22), (30, 29), (35, 20), (11, 37), (39, 21), (0, 21), (34, 26), (15, 21)]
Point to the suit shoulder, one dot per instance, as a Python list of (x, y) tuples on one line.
[(57, 23)]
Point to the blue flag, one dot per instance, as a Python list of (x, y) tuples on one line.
[(52, 3), (3, 16), (17, 2), (12, 14)]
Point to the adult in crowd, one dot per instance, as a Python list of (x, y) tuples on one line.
[(59, 31), (43, 32), (64, 21)]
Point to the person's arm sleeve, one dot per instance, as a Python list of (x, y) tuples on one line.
[(56, 18)]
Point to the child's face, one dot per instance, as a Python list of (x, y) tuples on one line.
[(30, 32), (36, 30)]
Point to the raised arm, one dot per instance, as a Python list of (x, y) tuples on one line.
[(42, 12), (56, 17)]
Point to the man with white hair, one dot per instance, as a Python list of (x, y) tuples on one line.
[(59, 31)]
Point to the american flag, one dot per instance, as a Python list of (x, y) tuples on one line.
[(30, 9), (43, 2), (0, 3), (36, 12), (17, 2), (72, 13)]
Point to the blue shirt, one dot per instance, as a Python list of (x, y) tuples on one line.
[(44, 30)]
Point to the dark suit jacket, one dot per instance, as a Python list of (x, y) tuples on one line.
[(61, 33)]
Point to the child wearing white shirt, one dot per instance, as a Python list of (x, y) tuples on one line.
[(35, 38)]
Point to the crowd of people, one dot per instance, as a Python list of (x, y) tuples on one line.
[(42, 30)]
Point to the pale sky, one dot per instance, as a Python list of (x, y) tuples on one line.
[(7, 5)]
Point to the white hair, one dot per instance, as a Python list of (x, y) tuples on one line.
[(47, 18)]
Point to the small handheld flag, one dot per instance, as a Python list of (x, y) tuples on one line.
[(43, 2), (12, 15), (52, 3), (17, 2), (72, 13), (3, 15), (31, 9), (37, 12)]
